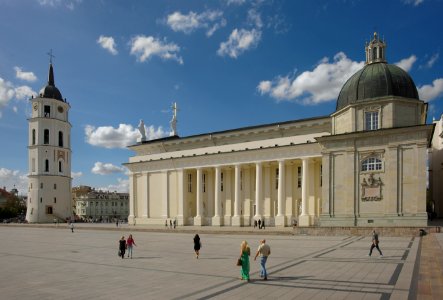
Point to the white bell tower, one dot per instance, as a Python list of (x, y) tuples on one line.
[(49, 153)]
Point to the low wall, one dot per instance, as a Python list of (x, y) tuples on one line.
[(384, 231)]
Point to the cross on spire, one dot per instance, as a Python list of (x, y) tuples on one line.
[(51, 56)]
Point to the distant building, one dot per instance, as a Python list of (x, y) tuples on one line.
[(93, 205), (436, 170), (363, 165), (49, 152)]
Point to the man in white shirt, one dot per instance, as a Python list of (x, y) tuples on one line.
[(264, 251)]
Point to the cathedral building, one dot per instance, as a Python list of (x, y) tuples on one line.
[(363, 165), (49, 151)]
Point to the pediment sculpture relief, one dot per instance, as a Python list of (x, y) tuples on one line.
[(371, 189)]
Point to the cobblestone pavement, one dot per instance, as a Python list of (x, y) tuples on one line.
[(52, 263)]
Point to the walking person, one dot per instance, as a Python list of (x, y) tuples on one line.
[(170, 224), (259, 223), (374, 244), (166, 223), (122, 247), (263, 224), (264, 251), (72, 227), (129, 243), (197, 245), (245, 252)]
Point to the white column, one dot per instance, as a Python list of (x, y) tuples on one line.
[(216, 220), (146, 202), (304, 217), (165, 205), (198, 217), (132, 190), (236, 219), (258, 190), (181, 197), (280, 218)]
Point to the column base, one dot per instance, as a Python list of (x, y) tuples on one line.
[(198, 221), (181, 221), (217, 221), (236, 221), (304, 220), (131, 220), (280, 221)]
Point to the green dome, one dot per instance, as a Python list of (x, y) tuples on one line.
[(376, 80)]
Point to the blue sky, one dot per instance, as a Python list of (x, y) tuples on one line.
[(227, 64)]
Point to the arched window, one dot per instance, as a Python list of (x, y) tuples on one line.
[(371, 164), (33, 136), (60, 139), (60, 167), (46, 165), (374, 53), (46, 137)]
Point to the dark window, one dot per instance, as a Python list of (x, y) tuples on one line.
[(47, 111), (46, 137), (49, 210), (55, 186), (60, 169), (41, 185), (299, 177), (46, 165), (60, 139), (55, 200), (33, 136)]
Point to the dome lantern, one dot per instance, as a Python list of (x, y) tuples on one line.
[(375, 50)]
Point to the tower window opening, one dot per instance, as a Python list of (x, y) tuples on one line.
[(33, 136), (374, 53), (60, 139), (46, 137), (60, 167), (55, 199), (55, 186), (41, 200), (49, 210), (47, 111), (46, 165)]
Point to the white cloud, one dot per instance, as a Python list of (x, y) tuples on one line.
[(106, 168), (212, 20), (8, 92), (430, 63), (236, 2), (122, 186), (254, 18), (312, 87), (14, 178), (413, 2), (70, 4), (27, 76), (108, 43), (239, 41), (121, 137), (76, 174), (144, 47), (406, 63), (431, 91)]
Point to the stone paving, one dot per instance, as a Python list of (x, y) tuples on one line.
[(53, 263)]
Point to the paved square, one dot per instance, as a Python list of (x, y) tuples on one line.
[(49, 263)]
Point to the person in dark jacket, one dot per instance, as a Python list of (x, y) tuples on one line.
[(197, 245), (122, 247)]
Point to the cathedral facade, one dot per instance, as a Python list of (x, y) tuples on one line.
[(363, 165)]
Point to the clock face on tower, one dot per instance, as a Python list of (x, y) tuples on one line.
[(60, 109), (35, 106)]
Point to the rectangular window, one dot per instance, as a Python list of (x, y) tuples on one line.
[(55, 186), (55, 200), (299, 177), (321, 175), (276, 178), (189, 183), (33, 165), (371, 120), (46, 165), (221, 182), (41, 185)]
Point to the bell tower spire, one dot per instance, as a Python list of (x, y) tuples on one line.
[(375, 50)]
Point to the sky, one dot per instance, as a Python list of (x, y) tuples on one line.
[(226, 63)]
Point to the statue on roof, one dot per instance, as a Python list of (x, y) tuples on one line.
[(141, 128), (173, 121)]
